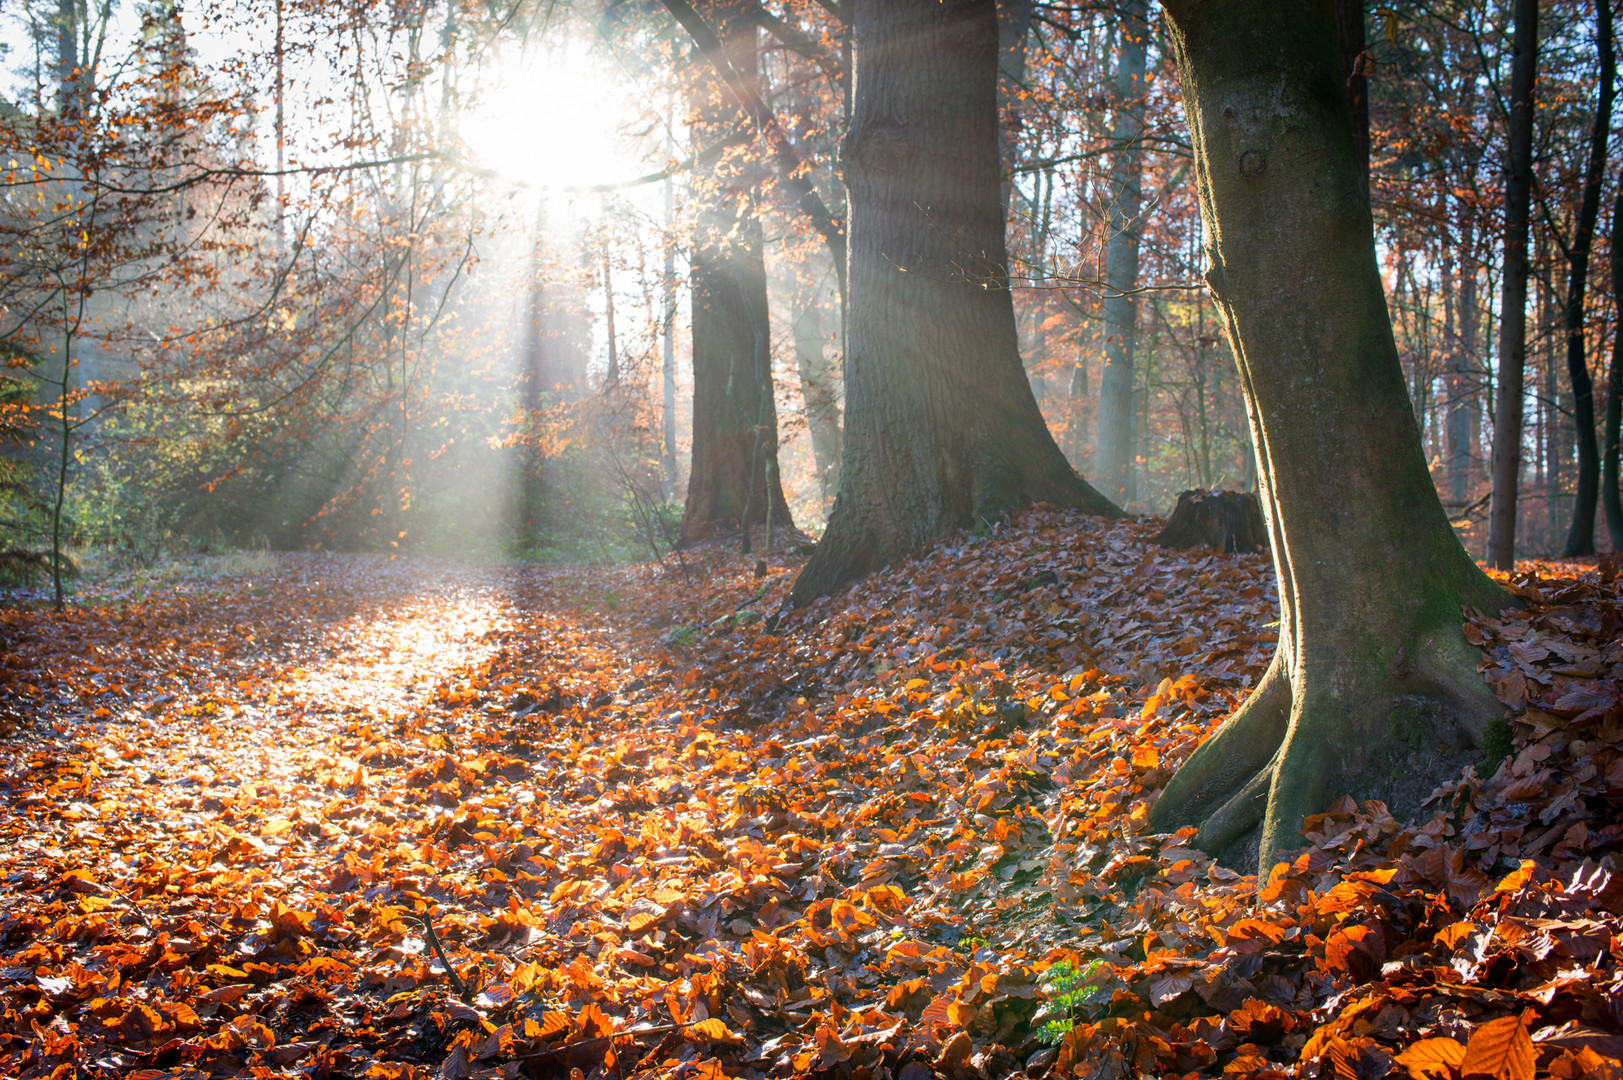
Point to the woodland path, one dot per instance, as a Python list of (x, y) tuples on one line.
[(865, 839)]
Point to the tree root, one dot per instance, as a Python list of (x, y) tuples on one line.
[(1243, 812), (1232, 758), (1390, 732)]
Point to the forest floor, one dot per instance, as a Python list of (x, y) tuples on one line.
[(660, 827)]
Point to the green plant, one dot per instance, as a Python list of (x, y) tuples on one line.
[(1066, 987), (681, 635)]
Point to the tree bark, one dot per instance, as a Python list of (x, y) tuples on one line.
[(1372, 669), (1226, 521), (1113, 448), (1581, 536), (1507, 426), (941, 427), (735, 420)]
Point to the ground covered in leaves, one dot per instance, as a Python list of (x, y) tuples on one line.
[(352, 817)]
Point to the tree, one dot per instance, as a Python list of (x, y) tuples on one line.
[(818, 389), (1611, 498), (1507, 422), (733, 482), (1372, 669), (941, 426), (1581, 536), (1113, 452)]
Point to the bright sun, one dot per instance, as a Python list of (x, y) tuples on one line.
[(553, 121)]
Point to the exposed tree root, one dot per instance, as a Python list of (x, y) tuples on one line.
[(1243, 812), (1228, 761), (1390, 731)]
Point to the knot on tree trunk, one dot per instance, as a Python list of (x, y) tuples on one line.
[(1222, 520)]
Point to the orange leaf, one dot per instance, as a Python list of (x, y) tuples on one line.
[(714, 1030), (1516, 878), (1432, 1059), (1500, 1049), (552, 1023)]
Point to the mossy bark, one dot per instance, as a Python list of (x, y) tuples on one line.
[(941, 426), (1374, 691)]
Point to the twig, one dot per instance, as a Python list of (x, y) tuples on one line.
[(457, 984)]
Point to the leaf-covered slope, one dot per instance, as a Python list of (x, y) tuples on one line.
[(900, 831)]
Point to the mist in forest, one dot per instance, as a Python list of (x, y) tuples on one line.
[(568, 281)]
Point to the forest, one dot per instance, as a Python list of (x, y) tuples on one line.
[(834, 539)]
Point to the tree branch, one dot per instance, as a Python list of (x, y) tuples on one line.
[(791, 163)]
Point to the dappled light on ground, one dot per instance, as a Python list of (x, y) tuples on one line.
[(661, 825)]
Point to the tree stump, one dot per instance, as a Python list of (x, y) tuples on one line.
[(1222, 520)]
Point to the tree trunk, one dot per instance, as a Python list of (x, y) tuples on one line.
[(735, 420), (1078, 395), (1221, 520), (1351, 45), (1507, 426), (1013, 27), (1462, 404), (668, 348), (1372, 670), (941, 427), (611, 377), (1609, 495), (1581, 536), (738, 88), (1466, 420), (818, 386), (1551, 431), (1113, 450)]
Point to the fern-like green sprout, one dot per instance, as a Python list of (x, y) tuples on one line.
[(1066, 987)]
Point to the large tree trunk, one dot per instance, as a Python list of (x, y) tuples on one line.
[(1507, 421), (735, 420), (1581, 537), (941, 429), (1372, 671), (1113, 451)]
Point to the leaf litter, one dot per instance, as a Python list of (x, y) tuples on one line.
[(370, 818)]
